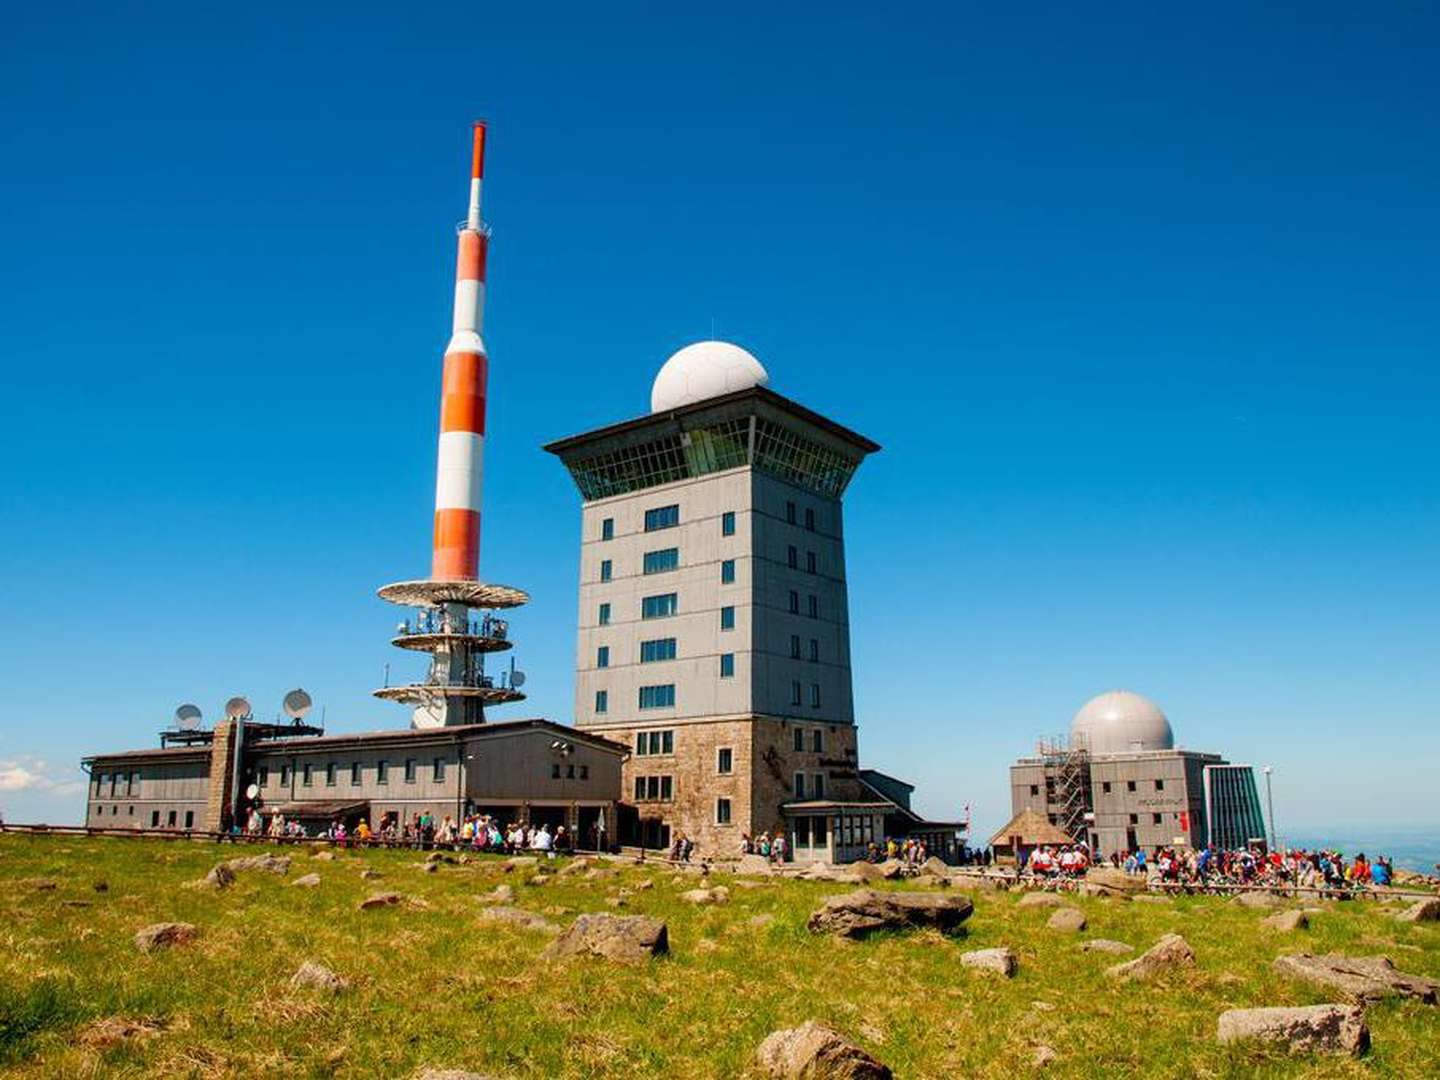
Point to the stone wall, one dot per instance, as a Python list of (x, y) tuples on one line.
[(217, 799)]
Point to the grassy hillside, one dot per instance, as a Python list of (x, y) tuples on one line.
[(434, 986)]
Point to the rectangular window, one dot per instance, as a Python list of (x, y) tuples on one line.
[(1134, 819), (584, 772), (170, 819), (659, 649), (307, 775), (604, 615), (658, 562), (662, 517), (354, 773), (437, 769), (814, 695), (818, 836), (154, 819), (817, 741), (99, 783), (409, 770), (817, 786), (667, 788), (654, 742), (727, 665), (792, 557), (602, 656), (814, 606), (555, 771), (727, 523), (799, 785), (659, 607), (329, 774), (667, 742), (1105, 787), (114, 783), (639, 788), (810, 519), (814, 650), (657, 697), (1159, 785), (189, 819), (133, 788), (262, 776), (727, 618), (790, 512), (724, 761), (794, 646), (284, 776), (1129, 785), (602, 701), (727, 572), (810, 562), (607, 529), (795, 694), (382, 771), (606, 567), (642, 743), (1034, 789), (794, 602), (722, 811), (1155, 819), (799, 740)]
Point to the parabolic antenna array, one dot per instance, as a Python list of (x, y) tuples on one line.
[(187, 717)]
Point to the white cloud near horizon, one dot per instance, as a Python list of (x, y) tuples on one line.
[(32, 774)]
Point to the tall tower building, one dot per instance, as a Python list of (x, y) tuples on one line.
[(456, 688), (714, 627)]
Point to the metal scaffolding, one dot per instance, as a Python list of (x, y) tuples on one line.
[(1067, 785)]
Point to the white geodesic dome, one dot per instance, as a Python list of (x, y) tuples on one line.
[(1120, 722), (704, 370)]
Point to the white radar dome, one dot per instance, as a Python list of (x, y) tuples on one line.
[(1119, 722), (703, 370)]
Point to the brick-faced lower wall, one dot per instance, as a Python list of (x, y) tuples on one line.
[(222, 753)]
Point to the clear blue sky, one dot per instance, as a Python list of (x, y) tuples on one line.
[(1143, 307)]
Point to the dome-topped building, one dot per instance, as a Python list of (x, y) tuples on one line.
[(1120, 722), (705, 370)]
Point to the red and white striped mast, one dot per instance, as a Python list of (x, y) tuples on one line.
[(457, 688)]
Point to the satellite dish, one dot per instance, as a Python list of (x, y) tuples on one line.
[(297, 704), (237, 707), (252, 791), (517, 679), (187, 717)]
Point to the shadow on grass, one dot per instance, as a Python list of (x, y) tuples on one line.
[(30, 1011)]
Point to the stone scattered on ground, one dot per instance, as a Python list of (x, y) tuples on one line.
[(219, 877), (1359, 978), (1287, 920), (864, 911), (1421, 911), (450, 1074), (1068, 920), (858, 871), (1170, 953), (271, 864), (1044, 1056), (501, 894), (1330, 1029), (324, 856), (1258, 900), (1001, 960), (627, 939), (379, 900), (643, 885), (1108, 881), (890, 869), (370, 875), (311, 975), (164, 935), (306, 881), (519, 862), (753, 864), (931, 881), (428, 867), (717, 895), (935, 865), (1104, 945), (1040, 899), (41, 884), (814, 1051), (576, 865)]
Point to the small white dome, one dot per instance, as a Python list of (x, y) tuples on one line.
[(703, 370), (1119, 722)]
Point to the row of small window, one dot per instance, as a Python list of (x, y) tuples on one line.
[(382, 773), (651, 697), (797, 696), (817, 741), (792, 559), (667, 559), (1130, 785), (570, 772), (653, 651), (664, 605), (667, 517), (171, 819), (130, 782)]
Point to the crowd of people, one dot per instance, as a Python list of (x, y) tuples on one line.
[(476, 832), (1207, 866)]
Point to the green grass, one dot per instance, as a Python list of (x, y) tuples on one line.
[(437, 987)]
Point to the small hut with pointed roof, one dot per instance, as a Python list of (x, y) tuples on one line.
[(1022, 834)]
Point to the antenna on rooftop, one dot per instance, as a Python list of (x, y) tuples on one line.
[(237, 707), (297, 704), (187, 717)]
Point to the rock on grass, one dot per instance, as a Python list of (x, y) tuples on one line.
[(271, 864), (1067, 920), (379, 900), (1104, 945), (1040, 899), (1421, 911), (626, 939), (814, 1051), (311, 975), (1331, 1029), (1287, 920), (1001, 961), (1170, 953), (527, 920), (164, 935), (1359, 978), (307, 881), (864, 911)]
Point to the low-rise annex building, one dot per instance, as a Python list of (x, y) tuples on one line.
[(523, 770)]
